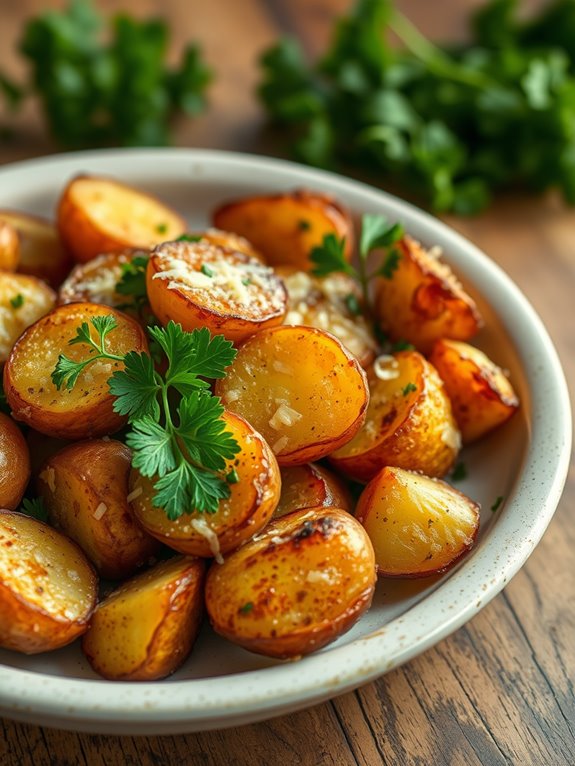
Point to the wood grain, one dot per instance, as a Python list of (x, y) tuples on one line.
[(500, 690)]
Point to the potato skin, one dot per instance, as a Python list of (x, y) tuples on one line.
[(85, 487), (48, 589), (145, 629), (285, 227), (309, 486), (9, 246), (14, 464), (303, 582)]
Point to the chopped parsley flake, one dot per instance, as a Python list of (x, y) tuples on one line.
[(17, 301)]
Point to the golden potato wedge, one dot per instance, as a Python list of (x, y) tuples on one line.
[(85, 489), (14, 464), (9, 247), (41, 253), (145, 629), (250, 506), (308, 486), (423, 301), (202, 285), (305, 580), (48, 589), (23, 300), (409, 422), (101, 215), (285, 227), (298, 387), (85, 410), (332, 304), (481, 395), (419, 526), (95, 281)]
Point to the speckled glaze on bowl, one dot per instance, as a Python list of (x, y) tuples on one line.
[(525, 462)]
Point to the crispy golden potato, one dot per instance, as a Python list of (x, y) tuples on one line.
[(309, 486), (332, 304), (481, 395), (95, 281), (145, 629), (202, 285), (48, 589), (14, 464), (300, 389), (85, 491), (23, 300), (419, 526), (285, 227), (409, 422), (9, 247), (41, 253), (423, 301), (305, 580), (250, 506), (100, 215), (87, 409)]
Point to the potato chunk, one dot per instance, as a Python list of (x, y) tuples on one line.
[(95, 281), (308, 486), (100, 215), (419, 526), (481, 395), (145, 629), (48, 589), (299, 585), (23, 300), (14, 464), (87, 409), (285, 227), (409, 422), (300, 389), (422, 300), (253, 498), (9, 247), (85, 489)]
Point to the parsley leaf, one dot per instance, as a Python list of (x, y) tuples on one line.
[(17, 301), (329, 257), (152, 446), (136, 387), (203, 432), (390, 264), (132, 280), (35, 507), (376, 231)]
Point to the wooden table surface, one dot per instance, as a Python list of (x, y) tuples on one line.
[(498, 691)]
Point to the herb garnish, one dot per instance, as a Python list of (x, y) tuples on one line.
[(205, 269), (246, 608), (132, 281), (459, 472), (17, 301), (496, 504), (34, 507), (408, 388)]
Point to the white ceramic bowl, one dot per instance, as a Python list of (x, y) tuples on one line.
[(526, 462)]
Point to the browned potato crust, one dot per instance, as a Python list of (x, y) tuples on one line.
[(250, 506), (199, 284), (419, 526), (85, 490), (23, 300), (423, 300), (41, 253), (9, 246), (14, 464), (481, 395), (100, 215), (308, 486), (300, 389), (285, 227), (230, 241), (145, 629), (299, 585), (409, 422), (86, 410), (48, 589)]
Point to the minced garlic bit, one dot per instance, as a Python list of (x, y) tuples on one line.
[(49, 476), (280, 444), (100, 511), (202, 528), (135, 493), (386, 367), (284, 416)]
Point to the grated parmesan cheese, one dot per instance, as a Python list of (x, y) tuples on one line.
[(284, 416), (135, 493), (100, 511), (202, 527)]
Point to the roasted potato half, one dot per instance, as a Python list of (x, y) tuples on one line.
[(229, 241), (48, 589), (14, 464), (333, 304), (418, 525), (422, 300), (41, 253), (305, 580), (300, 388), (95, 281), (145, 629), (253, 498), (85, 489), (285, 227), (481, 395), (85, 410), (9, 247), (199, 284), (23, 300), (308, 486), (101, 215), (409, 422)]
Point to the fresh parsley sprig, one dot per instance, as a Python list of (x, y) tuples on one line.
[(177, 436)]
